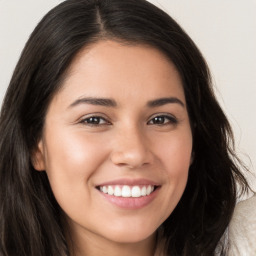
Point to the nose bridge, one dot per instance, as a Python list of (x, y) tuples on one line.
[(131, 147)]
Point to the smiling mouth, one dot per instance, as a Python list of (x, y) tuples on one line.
[(127, 191)]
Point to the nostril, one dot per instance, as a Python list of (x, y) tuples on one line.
[(131, 159)]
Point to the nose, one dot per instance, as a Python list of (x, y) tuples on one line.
[(131, 149)]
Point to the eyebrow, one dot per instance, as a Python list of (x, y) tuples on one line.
[(163, 101), (95, 101), (112, 103)]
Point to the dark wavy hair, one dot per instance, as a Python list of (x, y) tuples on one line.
[(30, 218)]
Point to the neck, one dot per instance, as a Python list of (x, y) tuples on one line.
[(90, 244)]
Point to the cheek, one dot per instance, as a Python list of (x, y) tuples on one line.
[(71, 159), (73, 152), (175, 152)]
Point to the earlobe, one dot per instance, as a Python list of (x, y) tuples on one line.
[(37, 157)]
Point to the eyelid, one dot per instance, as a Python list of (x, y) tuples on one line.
[(170, 117), (83, 119)]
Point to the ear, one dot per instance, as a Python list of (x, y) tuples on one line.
[(37, 158)]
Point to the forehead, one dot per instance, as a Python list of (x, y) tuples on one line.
[(109, 69)]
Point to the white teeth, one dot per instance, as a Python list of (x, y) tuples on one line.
[(110, 190), (104, 189), (136, 192), (144, 191), (118, 191), (149, 190), (127, 191)]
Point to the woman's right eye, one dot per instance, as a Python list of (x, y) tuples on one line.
[(94, 121)]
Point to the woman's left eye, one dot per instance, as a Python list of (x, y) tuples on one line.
[(162, 120), (94, 121)]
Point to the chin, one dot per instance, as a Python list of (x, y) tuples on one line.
[(131, 234)]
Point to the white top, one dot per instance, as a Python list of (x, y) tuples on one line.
[(242, 229)]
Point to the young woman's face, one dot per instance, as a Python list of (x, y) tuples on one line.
[(117, 142)]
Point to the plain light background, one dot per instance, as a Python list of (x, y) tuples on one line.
[(224, 30)]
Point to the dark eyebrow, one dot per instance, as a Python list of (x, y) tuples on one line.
[(112, 103), (164, 101), (94, 101)]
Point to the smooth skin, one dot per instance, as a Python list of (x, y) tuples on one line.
[(130, 134)]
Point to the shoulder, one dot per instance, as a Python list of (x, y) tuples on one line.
[(242, 229)]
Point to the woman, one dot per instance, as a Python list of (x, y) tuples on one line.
[(112, 141)]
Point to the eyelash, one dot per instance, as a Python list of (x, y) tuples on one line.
[(95, 121), (164, 120), (160, 120)]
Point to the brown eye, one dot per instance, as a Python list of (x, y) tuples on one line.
[(94, 120), (163, 120)]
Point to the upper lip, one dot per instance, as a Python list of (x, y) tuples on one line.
[(129, 182)]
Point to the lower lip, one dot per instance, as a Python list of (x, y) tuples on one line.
[(131, 203)]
